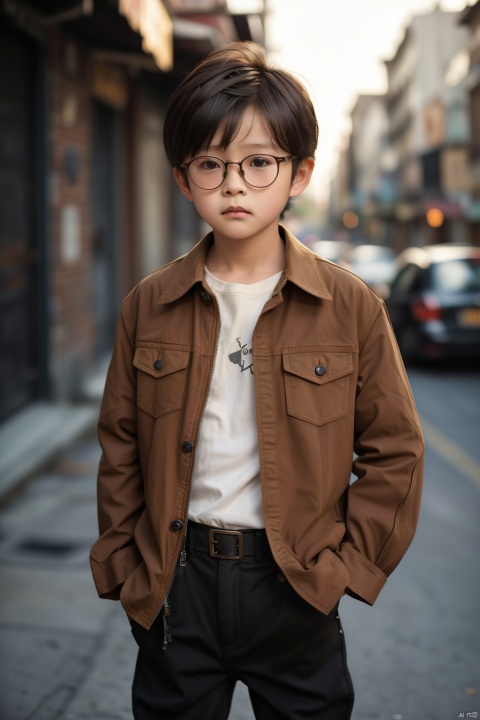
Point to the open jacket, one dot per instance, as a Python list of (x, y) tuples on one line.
[(331, 390)]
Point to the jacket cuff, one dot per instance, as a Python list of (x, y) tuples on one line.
[(366, 579), (110, 574)]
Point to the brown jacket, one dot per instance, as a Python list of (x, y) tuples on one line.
[(329, 383)]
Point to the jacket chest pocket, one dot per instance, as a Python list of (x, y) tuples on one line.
[(161, 378), (317, 385)]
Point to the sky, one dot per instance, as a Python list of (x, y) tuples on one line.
[(337, 48)]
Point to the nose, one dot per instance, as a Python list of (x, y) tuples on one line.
[(234, 182)]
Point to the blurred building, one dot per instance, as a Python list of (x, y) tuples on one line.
[(370, 190), (340, 191), (429, 132), (470, 18), (87, 201), (410, 151)]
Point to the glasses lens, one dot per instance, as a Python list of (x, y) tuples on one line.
[(207, 172), (260, 170)]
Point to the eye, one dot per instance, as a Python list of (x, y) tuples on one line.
[(207, 163), (261, 161)]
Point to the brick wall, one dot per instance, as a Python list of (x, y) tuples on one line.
[(69, 181)]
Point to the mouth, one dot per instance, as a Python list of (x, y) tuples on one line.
[(235, 210)]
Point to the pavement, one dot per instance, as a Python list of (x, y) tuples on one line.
[(36, 434), (64, 653)]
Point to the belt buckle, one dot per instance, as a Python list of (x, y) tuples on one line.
[(212, 542)]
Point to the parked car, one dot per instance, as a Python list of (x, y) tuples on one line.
[(373, 263), (434, 302)]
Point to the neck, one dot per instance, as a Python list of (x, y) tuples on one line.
[(246, 261)]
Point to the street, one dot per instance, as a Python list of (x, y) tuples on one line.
[(66, 655)]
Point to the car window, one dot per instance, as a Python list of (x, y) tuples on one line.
[(462, 275), (405, 278)]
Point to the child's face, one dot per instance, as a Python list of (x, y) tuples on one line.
[(236, 210)]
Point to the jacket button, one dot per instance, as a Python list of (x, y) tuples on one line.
[(206, 298), (187, 446), (177, 525), (158, 364), (320, 370)]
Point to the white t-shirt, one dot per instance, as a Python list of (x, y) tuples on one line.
[(226, 476)]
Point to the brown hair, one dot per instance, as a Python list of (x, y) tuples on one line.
[(218, 91)]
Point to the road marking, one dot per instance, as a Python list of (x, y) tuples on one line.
[(451, 452)]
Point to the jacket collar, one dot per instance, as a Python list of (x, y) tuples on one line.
[(301, 268)]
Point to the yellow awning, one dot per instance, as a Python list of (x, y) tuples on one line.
[(151, 20)]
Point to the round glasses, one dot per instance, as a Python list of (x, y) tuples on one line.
[(259, 171)]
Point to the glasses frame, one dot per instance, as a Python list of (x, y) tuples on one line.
[(278, 159)]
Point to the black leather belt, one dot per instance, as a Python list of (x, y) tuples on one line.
[(226, 544)]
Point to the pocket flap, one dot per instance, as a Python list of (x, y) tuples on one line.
[(331, 365), (159, 361)]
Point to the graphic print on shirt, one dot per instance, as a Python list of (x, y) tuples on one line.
[(243, 357)]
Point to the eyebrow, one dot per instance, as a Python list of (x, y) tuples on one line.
[(267, 148)]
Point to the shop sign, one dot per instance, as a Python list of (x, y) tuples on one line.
[(448, 208), (110, 84), (434, 122), (151, 20), (455, 169)]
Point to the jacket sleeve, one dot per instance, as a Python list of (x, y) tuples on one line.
[(384, 502), (120, 494)]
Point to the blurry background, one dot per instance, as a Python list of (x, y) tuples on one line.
[(88, 207), (87, 202)]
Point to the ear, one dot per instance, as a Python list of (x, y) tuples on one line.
[(302, 176), (182, 183)]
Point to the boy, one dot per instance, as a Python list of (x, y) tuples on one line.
[(244, 377)]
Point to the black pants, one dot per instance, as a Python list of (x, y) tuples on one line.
[(240, 620)]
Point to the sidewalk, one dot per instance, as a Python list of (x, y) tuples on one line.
[(34, 436), (64, 654)]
